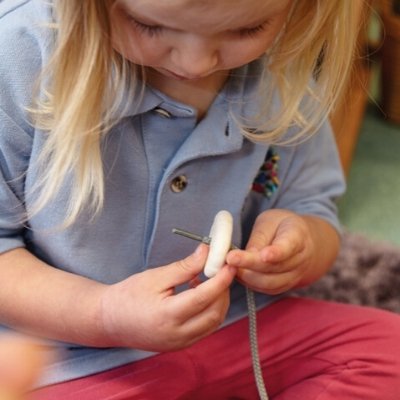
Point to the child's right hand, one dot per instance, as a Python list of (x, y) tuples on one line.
[(144, 312)]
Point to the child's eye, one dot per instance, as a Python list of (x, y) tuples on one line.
[(150, 30), (253, 31)]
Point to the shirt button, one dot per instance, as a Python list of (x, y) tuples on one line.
[(179, 183), (162, 112)]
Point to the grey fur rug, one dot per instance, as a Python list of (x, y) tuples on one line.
[(366, 272)]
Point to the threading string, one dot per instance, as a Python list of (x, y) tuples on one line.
[(252, 312)]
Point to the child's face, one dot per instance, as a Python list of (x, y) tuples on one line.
[(195, 39)]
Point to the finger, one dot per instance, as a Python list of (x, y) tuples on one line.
[(282, 248), (291, 263), (207, 321), (248, 259), (184, 270), (259, 238), (196, 281), (189, 303), (255, 262), (272, 284)]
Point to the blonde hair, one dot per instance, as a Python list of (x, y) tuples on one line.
[(77, 112), (309, 67)]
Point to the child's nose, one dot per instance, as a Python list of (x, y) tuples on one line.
[(195, 57)]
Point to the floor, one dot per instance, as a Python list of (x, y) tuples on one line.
[(371, 205)]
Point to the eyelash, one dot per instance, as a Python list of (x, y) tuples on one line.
[(150, 30), (253, 31), (154, 30)]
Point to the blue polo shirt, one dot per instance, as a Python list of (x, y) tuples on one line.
[(163, 169)]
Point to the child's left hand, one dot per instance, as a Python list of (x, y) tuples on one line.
[(279, 253)]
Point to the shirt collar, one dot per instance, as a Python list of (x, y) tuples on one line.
[(239, 92)]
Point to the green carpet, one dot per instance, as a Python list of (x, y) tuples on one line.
[(371, 205)]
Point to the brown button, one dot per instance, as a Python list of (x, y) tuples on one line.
[(179, 183), (162, 112)]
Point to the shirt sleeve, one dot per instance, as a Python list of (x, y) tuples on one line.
[(311, 177), (21, 59), (14, 158)]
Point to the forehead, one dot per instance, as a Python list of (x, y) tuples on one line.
[(222, 13)]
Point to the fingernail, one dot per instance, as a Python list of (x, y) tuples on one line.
[(198, 251), (265, 256), (252, 249)]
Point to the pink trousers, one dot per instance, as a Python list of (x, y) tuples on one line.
[(310, 350)]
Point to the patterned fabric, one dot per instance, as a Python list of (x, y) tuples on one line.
[(267, 181)]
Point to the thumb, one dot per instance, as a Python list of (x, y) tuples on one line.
[(183, 271), (259, 239)]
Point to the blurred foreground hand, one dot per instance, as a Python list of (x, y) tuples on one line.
[(21, 363)]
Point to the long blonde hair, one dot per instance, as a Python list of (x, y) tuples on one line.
[(309, 65), (85, 80)]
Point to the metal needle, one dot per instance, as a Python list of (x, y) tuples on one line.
[(203, 239)]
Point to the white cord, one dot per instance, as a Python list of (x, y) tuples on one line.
[(252, 312), (255, 357)]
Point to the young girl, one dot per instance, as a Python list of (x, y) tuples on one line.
[(123, 119)]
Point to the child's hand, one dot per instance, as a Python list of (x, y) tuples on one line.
[(279, 253), (21, 363), (144, 311)]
